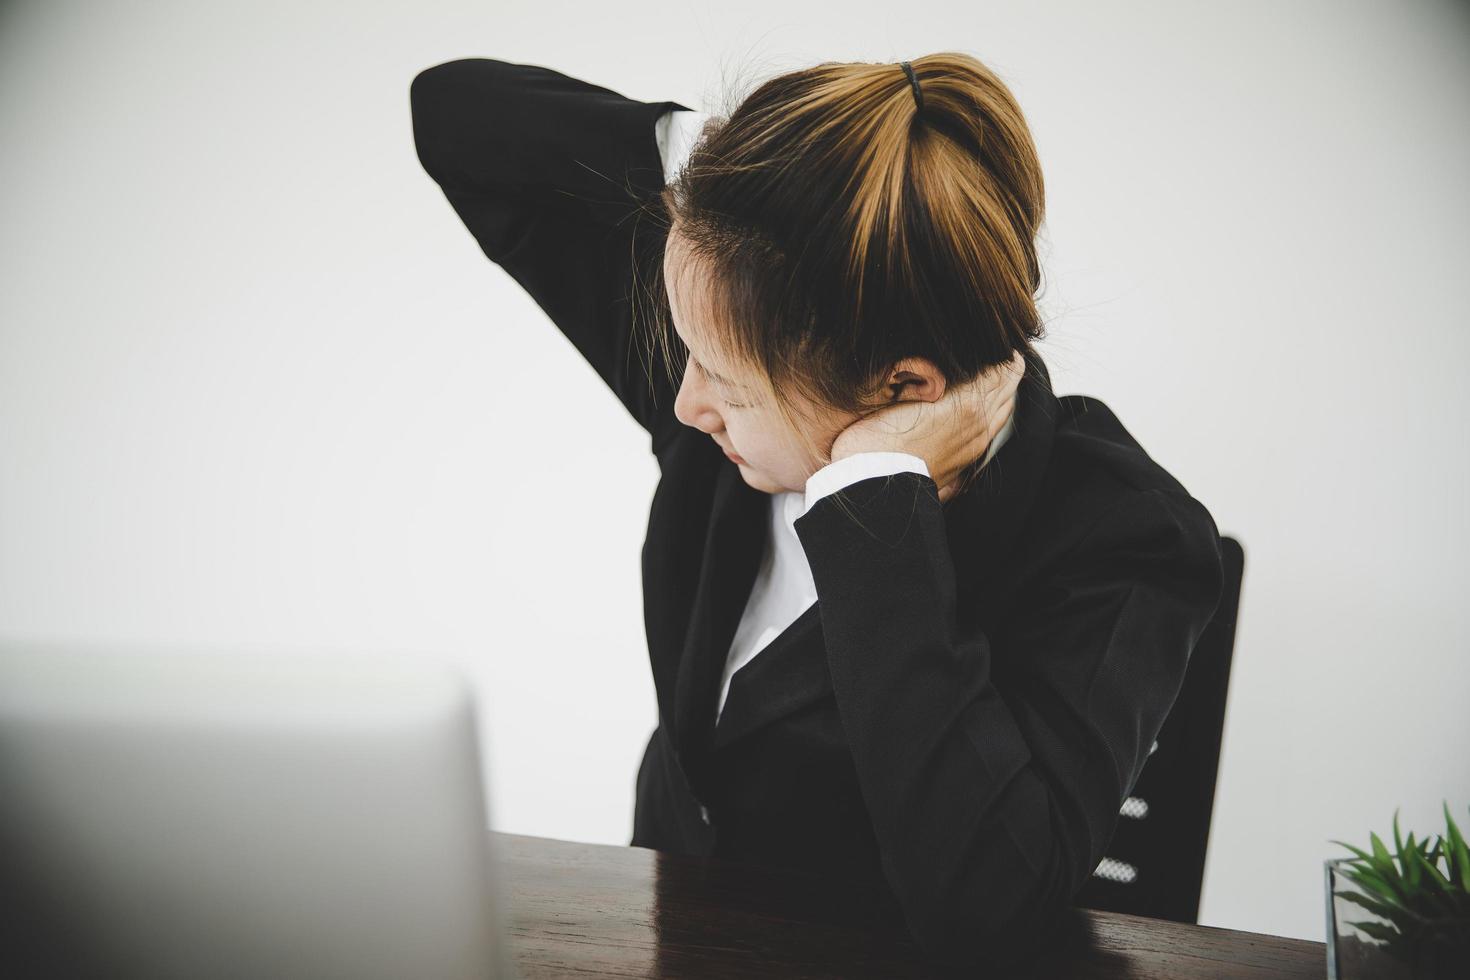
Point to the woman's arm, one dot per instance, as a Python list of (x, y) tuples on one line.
[(992, 807), (546, 171)]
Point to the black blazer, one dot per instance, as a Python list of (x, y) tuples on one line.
[(955, 723)]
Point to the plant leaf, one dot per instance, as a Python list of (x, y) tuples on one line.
[(1378, 931), (1381, 861), (1414, 861), (1406, 857), (1384, 910), (1433, 896), (1380, 853), (1375, 883), (1429, 865), (1362, 855), (1460, 853), (1370, 879)]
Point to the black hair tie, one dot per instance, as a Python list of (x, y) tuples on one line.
[(914, 81)]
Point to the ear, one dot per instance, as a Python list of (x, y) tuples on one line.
[(913, 379)]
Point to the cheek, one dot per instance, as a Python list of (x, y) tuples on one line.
[(744, 433), (755, 435)]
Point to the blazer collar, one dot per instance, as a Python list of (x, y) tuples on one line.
[(983, 525), (985, 522)]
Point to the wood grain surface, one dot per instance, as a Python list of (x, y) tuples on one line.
[(595, 910)]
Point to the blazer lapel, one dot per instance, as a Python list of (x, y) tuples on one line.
[(984, 522), (788, 673), (733, 547)]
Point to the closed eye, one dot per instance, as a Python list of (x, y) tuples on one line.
[(705, 371)]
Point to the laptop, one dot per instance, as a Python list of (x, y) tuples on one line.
[(169, 812)]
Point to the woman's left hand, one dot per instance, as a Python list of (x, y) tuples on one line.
[(948, 433)]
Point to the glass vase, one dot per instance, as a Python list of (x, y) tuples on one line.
[(1357, 938)]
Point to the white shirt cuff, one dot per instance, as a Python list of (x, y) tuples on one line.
[(859, 466), (675, 132)]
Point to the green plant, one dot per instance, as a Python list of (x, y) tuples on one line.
[(1427, 910)]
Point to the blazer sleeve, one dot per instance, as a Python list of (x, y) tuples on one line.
[(547, 171), (992, 806)]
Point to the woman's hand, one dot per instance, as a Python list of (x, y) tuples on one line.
[(948, 433)]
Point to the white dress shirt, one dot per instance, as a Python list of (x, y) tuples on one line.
[(783, 588)]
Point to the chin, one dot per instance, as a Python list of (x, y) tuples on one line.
[(759, 481), (755, 478)]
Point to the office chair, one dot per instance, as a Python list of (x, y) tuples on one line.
[(1155, 863)]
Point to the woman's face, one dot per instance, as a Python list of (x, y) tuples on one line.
[(721, 399)]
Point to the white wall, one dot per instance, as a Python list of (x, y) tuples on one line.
[(258, 384)]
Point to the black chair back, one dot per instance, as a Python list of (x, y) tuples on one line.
[(1155, 862)]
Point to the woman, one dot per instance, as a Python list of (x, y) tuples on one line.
[(914, 621)]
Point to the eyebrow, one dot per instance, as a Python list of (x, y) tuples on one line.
[(713, 376), (717, 377)]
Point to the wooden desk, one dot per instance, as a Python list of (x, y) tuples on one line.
[(594, 910)]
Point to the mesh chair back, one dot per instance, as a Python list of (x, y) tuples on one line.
[(1155, 863)]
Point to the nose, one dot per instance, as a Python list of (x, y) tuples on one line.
[(696, 404)]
